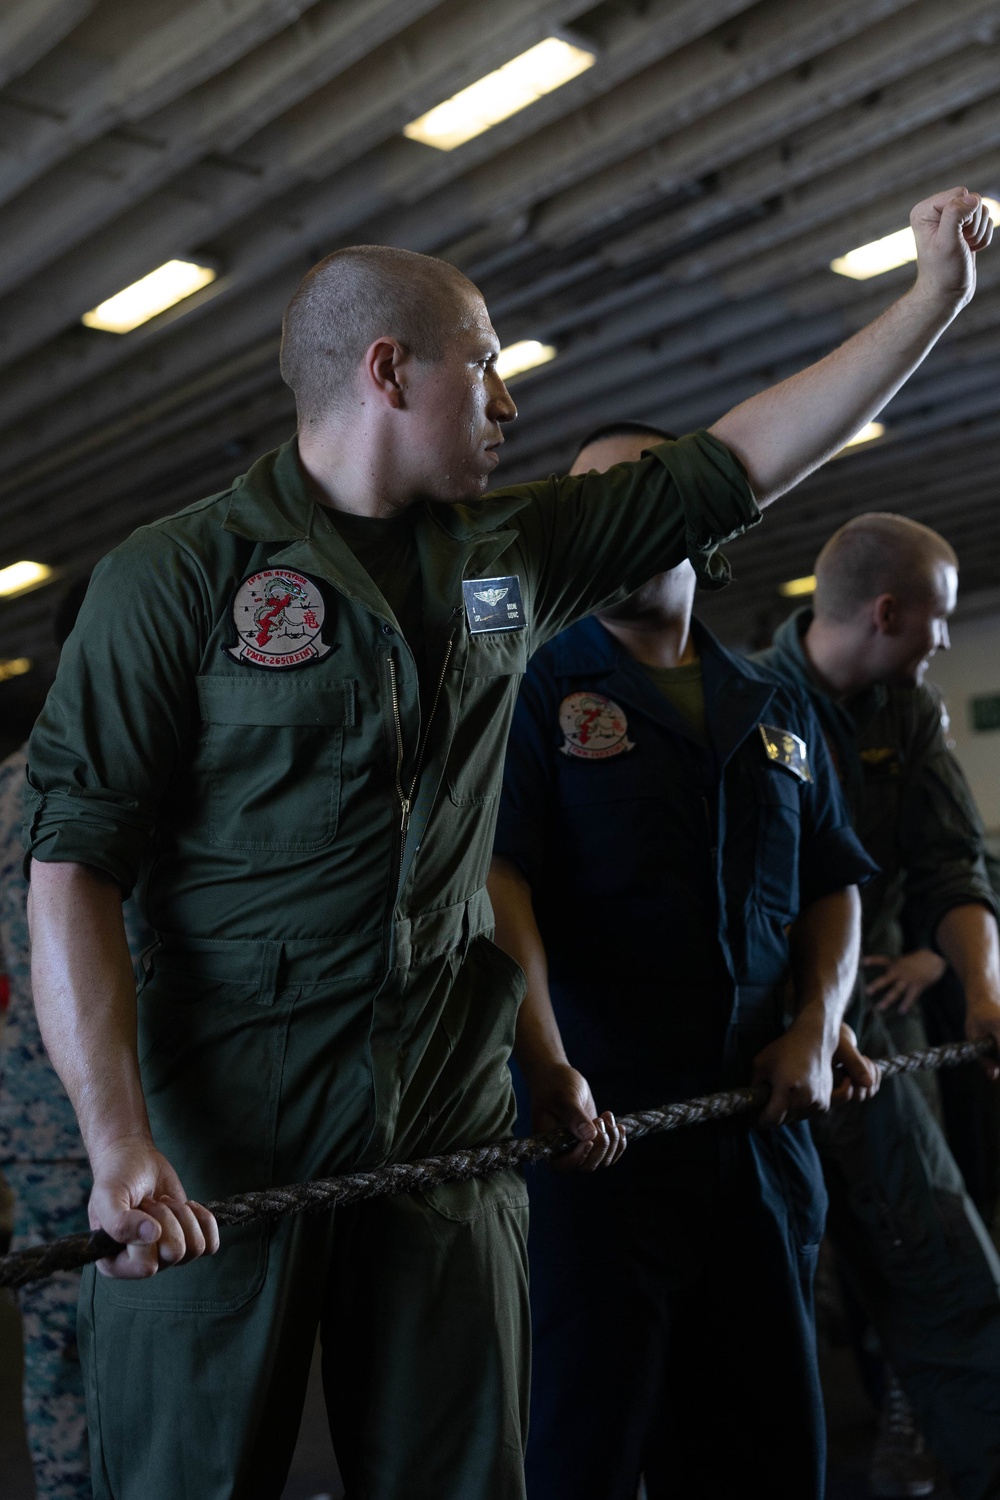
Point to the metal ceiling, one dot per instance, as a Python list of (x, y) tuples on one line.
[(666, 220)]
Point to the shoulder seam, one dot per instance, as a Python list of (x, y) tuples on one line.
[(193, 509)]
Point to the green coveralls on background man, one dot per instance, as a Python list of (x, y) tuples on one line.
[(299, 762), (909, 1239)]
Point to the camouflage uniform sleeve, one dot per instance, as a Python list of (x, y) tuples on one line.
[(941, 833)]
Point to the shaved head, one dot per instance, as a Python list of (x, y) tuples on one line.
[(356, 296), (876, 554)]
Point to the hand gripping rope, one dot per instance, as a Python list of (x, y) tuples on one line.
[(76, 1250)]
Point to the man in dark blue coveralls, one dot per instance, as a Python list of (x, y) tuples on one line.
[(672, 846)]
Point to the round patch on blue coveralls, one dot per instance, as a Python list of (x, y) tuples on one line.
[(595, 728), (278, 617)]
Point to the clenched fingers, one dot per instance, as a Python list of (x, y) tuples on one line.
[(199, 1231), (603, 1151)]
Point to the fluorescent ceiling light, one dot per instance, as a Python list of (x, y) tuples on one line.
[(525, 355), (156, 292), (500, 94), (892, 250), (14, 667), (20, 577), (796, 586), (877, 257), (868, 433)]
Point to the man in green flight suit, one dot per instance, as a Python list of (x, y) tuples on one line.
[(282, 717)]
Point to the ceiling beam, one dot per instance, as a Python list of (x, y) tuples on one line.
[(777, 35), (776, 112), (100, 181), (951, 120), (377, 95), (30, 28), (90, 86)]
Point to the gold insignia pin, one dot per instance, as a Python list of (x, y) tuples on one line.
[(786, 749), (884, 756)]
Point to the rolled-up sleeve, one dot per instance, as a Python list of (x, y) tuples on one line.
[(108, 740), (594, 538)]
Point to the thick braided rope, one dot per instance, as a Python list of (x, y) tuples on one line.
[(76, 1250)]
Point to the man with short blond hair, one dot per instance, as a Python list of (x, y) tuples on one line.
[(875, 554), (909, 1239)]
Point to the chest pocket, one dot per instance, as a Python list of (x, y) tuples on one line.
[(779, 831), (494, 667), (273, 750)]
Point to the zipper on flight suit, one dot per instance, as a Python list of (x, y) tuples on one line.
[(406, 802)]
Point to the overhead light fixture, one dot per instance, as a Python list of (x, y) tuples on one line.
[(162, 288), (525, 355), (22, 577), (796, 586), (867, 434), (14, 667), (893, 250), (879, 256), (500, 94)]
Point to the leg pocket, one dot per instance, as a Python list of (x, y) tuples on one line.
[(211, 1071), (426, 1346), (792, 1158)]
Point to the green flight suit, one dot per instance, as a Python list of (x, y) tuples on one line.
[(908, 1236), (325, 993)]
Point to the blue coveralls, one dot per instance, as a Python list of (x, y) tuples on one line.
[(672, 1296)]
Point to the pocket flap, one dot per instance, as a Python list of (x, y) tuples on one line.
[(497, 654), (273, 700)]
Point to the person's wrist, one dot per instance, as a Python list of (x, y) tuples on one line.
[(982, 1001), (813, 1021), (112, 1142), (936, 304), (540, 1070)]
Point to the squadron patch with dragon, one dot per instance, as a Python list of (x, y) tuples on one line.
[(278, 617), (595, 728)]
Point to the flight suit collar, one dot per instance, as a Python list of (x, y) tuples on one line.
[(273, 502), (736, 693), (791, 653), (842, 718)]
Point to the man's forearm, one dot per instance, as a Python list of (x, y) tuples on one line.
[(84, 992), (560, 1096), (825, 953), (810, 416), (825, 945), (784, 433), (537, 1042), (967, 936), (81, 976)]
